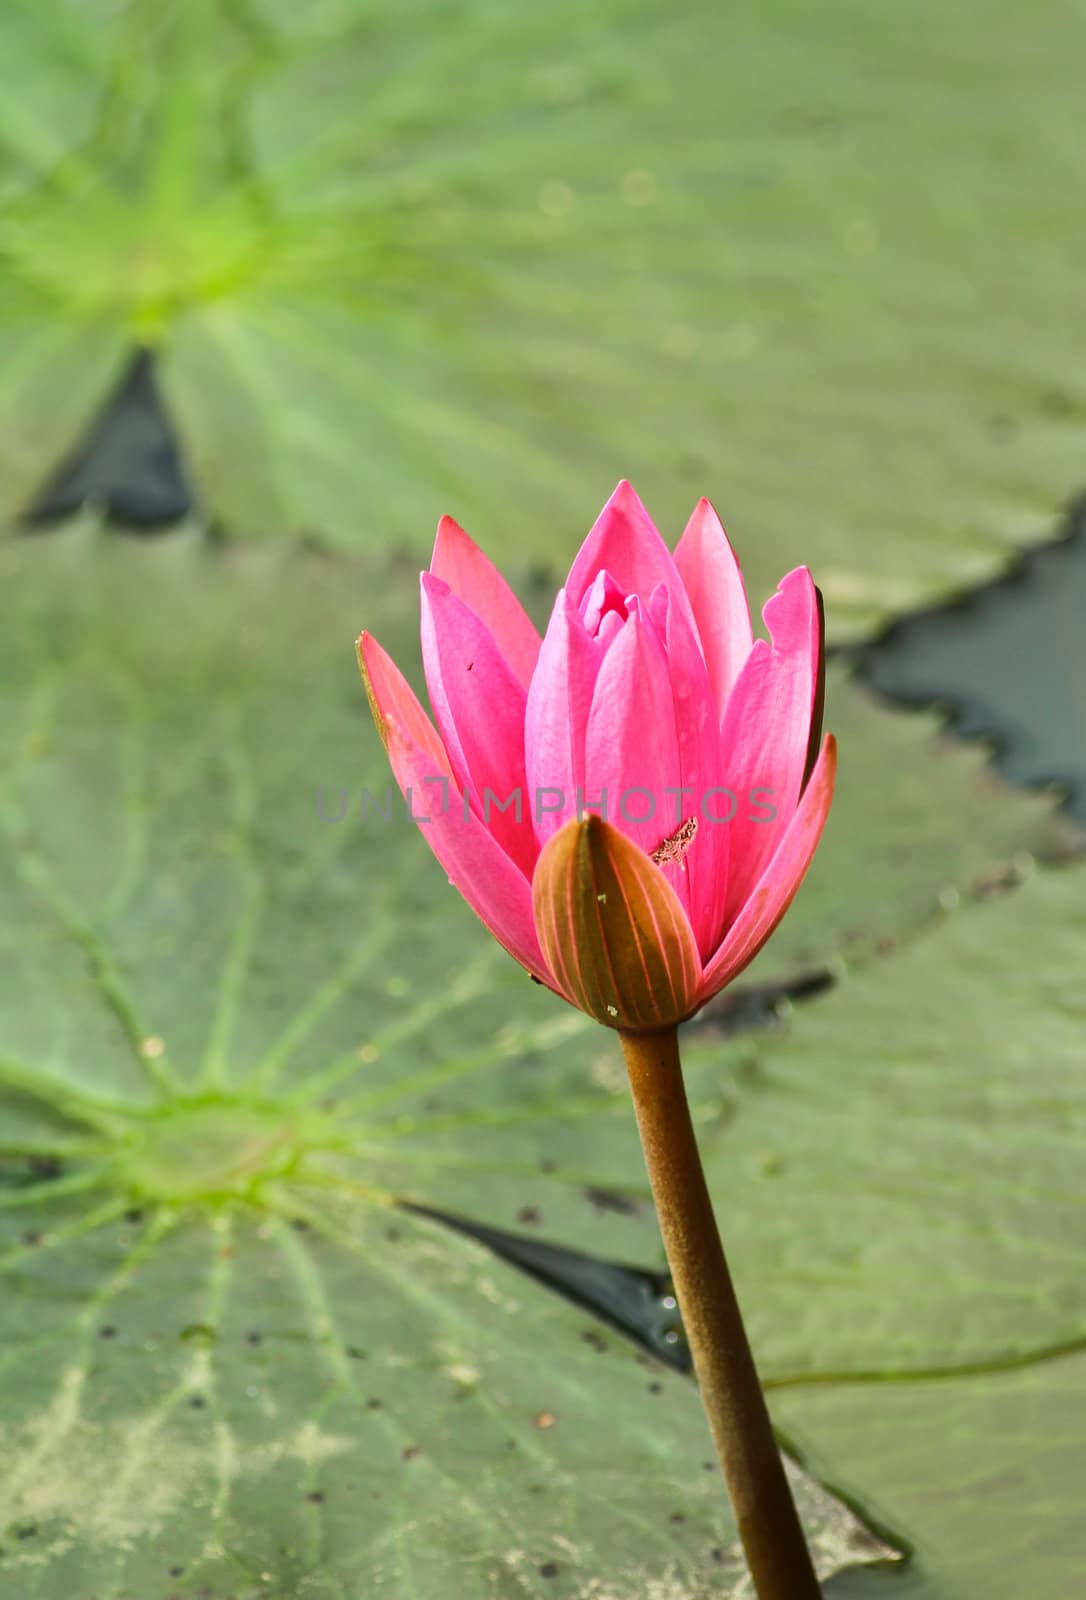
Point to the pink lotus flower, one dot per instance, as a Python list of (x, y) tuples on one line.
[(630, 803)]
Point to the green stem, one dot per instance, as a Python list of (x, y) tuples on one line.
[(777, 1554)]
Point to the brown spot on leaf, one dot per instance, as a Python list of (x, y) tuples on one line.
[(607, 1200)]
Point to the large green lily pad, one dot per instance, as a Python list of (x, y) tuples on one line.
[(904, 1168), (488, 260), (983, 1473), (898, 1168), (901, 1181), (232, 1034), (231, 1366), (297, 1392), (60, 54)]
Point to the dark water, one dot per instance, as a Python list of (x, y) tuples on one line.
[(128, 463), (1008, 661)]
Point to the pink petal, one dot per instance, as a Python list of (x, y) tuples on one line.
[(766, 730), (631, 747), (479, 708), (493, 886), (603, 602), (700, 874), (459, 562), (624, 540), (556, 717), (776, 889), (714, 582)]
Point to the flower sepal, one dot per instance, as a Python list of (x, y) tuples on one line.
[(613, 931)]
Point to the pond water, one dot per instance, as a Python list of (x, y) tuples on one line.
[(1009, 663)]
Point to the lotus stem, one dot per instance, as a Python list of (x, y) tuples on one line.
[(769, 1527)]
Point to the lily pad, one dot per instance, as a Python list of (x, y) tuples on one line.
[(898, 1172), (900, 1177), (295, 1391), (60, 55), (232, 1364), (903, 1169), (983, 1473), (480, 259), (899, 1180)]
